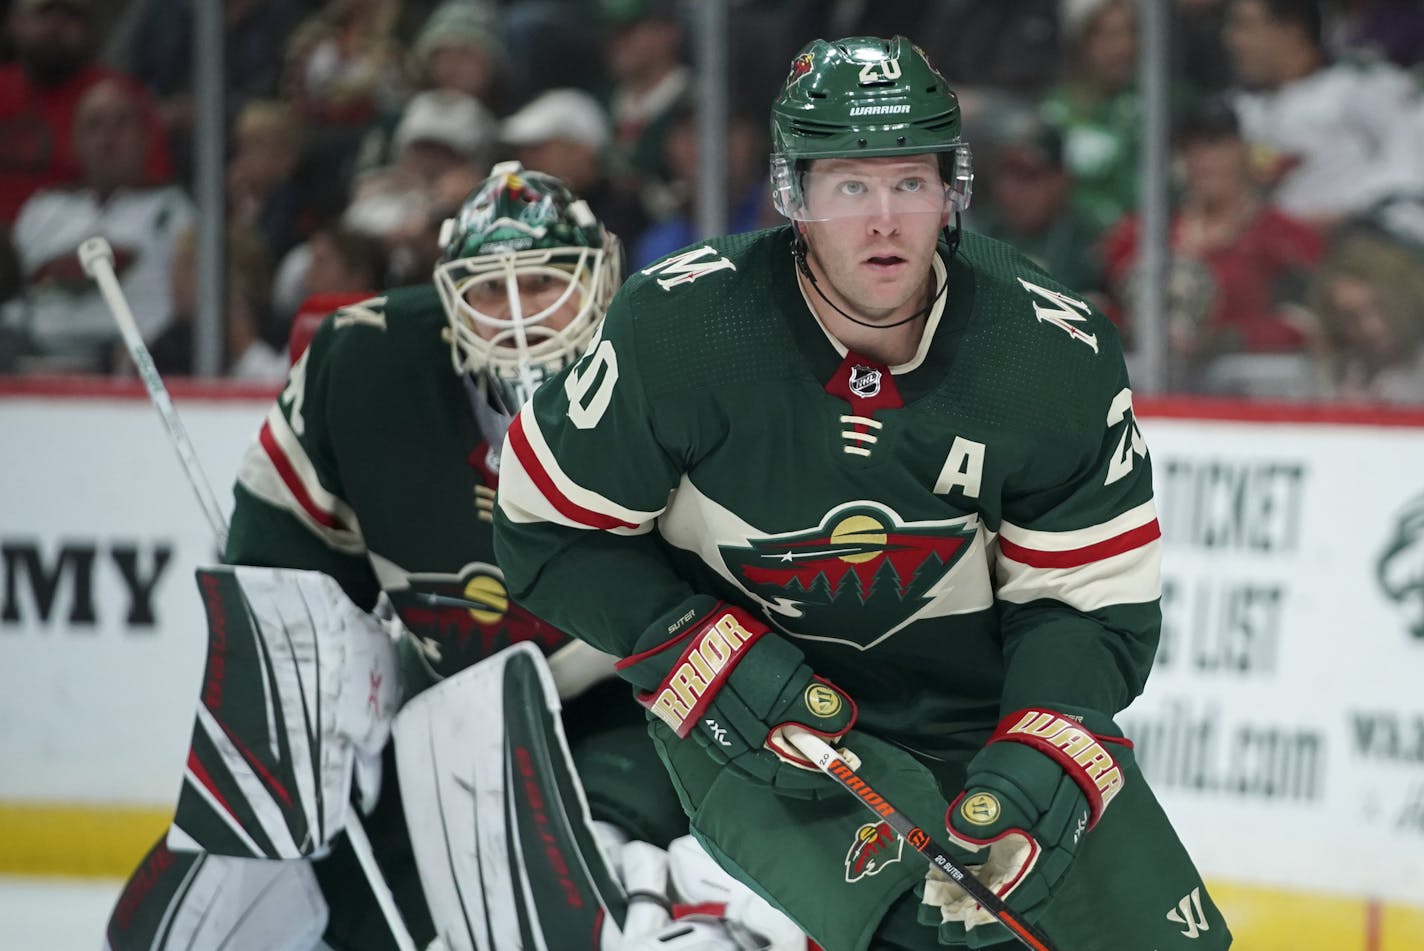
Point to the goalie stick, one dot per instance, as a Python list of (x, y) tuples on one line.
[(831, 763), (96, 257)]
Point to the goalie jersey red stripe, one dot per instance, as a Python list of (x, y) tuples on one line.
[(293, 481)]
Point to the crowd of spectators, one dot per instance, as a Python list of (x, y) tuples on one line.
[(354, 127)]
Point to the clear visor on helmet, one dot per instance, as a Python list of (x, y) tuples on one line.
[(832, 188), (520, 317)]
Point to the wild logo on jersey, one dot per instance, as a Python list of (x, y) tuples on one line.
[(456, 636), (861, 573)]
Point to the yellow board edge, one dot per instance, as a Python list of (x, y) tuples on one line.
[(48, 839), (87, 841)]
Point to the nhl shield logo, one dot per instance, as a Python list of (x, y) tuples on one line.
[(875, 846), (864, 381)]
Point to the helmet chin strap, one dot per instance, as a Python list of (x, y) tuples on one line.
[(799, 249)]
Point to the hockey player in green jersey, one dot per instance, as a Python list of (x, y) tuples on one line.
[(873, 477), (377, 467)]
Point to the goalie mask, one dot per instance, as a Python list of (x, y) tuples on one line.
[(526, 274), (864, 97)]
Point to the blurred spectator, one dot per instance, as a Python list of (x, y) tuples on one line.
[(459, 48), (1026, 202), (1390, 29), (747, 192), (548, 45), (1199, 45), (643, 55), (249, 290), (1098, 107), (61, 311), (344, 262), (1368, 296), (246, 355), (344, 62), (262, 186), (154, 44), (1328, 137), (442, 144), (334, 260), (565, 132), (1239, 265), (54, 49), (986, 48)]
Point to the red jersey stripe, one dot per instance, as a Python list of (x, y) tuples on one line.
[(544, 482), (1077, 557), (284, 468)]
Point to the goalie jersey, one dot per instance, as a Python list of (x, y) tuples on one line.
[(966, 534), (372, 468)]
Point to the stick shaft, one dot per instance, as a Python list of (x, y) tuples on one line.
[(98, 261), (831, 763)]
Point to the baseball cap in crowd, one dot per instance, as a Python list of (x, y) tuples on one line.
[(459, 23), (558, 114), (445, 117)]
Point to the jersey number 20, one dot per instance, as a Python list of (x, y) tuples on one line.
[(589, 385)]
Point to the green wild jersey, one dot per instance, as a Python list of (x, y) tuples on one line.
[(371, 467), (948, 540)]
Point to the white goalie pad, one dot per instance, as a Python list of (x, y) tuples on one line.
[(217, 901), (498, 821), (300, 683)]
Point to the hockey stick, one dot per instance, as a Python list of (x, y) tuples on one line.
[(833, 765), (97, 259)]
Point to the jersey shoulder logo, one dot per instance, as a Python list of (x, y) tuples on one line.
[(1064, 312), (370, 312), (688, 266)]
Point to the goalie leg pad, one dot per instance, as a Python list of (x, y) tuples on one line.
[(299, 684), (184, 901), (498, 821)]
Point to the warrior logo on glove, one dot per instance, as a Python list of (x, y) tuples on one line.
[(822, 701), (982, 809)]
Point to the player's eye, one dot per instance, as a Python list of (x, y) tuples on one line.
[(851, 187), (912, 185), (486, 291)]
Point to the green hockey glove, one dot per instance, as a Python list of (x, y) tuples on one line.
[(711, 671), (1043, 780)]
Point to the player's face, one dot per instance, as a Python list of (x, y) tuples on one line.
[(539, 298), (875, 250)]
